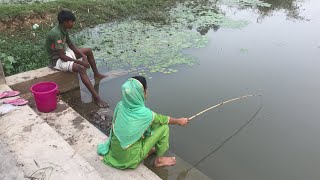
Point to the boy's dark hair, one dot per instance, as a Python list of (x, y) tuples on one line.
[(142, 80), (64, 15)]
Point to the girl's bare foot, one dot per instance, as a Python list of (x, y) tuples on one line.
[(164, 161)]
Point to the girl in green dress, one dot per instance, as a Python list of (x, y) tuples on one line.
[(136, 130)]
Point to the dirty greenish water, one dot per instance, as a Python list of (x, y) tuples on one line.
[(276, 54)]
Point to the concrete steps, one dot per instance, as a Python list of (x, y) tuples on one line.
[(84, 137), (62, 144), (38, 149), (64, 130)]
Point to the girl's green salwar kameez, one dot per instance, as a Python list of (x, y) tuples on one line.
[(135, 130)]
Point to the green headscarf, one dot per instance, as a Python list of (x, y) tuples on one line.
[(131, 117)]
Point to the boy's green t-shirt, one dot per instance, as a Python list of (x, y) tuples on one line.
[(57, 38)]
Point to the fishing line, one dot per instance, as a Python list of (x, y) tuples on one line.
[(229, 138)]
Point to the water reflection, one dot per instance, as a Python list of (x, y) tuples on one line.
[(291, 8), (263, 9), (209, 6)]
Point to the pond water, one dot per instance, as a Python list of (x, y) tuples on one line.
[(277, 55)]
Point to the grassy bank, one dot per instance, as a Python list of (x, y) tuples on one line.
[(21, 47)]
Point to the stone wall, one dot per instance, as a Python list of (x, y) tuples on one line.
[(2, 77)]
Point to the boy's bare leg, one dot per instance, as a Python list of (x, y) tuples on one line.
[(88, 52), (86, 81)]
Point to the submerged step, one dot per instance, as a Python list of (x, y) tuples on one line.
[(179, 171)]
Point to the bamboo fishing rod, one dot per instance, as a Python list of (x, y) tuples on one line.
[(220, 104)]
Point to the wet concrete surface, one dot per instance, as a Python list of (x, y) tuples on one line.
[(101, 118)]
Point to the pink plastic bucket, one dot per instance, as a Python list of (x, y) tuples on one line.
[(45, 95)]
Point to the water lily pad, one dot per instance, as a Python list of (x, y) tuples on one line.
[(138, 46)]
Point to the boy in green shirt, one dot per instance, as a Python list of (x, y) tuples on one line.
[(64, 54)]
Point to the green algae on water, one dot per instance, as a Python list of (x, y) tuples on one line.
[(138, 46), (157, 48), (197, 16)]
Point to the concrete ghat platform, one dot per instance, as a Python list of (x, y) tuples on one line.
[(38, 149), (61, 144), (77, 138), (25, 80), (84, 137)]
